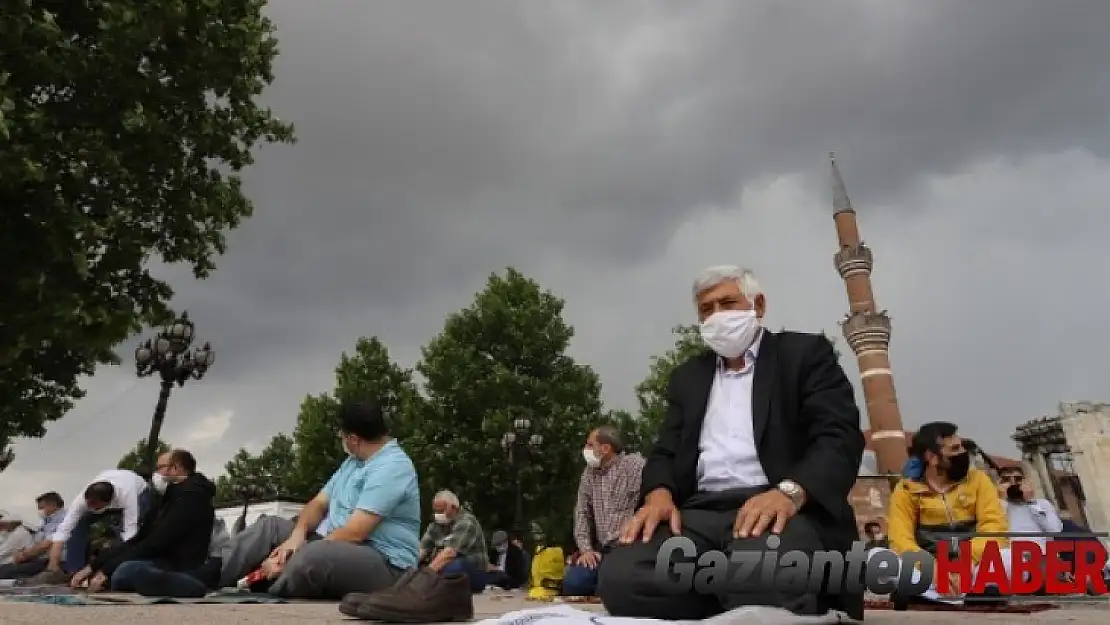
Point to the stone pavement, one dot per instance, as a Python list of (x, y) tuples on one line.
[(485, 607)]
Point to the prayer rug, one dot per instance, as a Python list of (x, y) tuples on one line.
[(130, 599), (974, 608)]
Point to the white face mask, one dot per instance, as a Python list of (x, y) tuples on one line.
[(730, 332), (159, 482), (590, 456), (441, 518)]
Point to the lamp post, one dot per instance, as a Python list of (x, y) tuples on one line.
[(168, 356), (521, 447)]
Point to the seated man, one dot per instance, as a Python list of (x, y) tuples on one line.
[(115, 489), (607, 496), (173, 537), (761, 436), (508, 563), (454, 542), (941, 495), (32, 560), (372, 536), (14, 537), (875, 537)]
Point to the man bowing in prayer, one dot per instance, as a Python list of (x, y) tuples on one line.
[(761, 436)]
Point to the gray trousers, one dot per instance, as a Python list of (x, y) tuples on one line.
[(321, 569)]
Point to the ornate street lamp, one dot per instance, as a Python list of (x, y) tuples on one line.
[(168, 355), (521, 445)]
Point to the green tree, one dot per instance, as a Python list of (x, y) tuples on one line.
[(136, 458), (651, 394), (269, 475), (124, 125), (368, 374), (504, 358)]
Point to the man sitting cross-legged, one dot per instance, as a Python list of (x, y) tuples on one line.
[(372, 534), (454, 542), (941, 494)]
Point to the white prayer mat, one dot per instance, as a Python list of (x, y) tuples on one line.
[(566, 615)]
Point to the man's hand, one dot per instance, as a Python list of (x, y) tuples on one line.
[(1027, 492), (589, 559), (771, 509), (20, 556), (287, 548), (658, 508), (272, 568), (98, 582), (80, 577)]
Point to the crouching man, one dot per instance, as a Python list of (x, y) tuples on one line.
[(941, 494), (372, 534)]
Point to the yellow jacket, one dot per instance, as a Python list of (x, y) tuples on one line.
[(971, 505)]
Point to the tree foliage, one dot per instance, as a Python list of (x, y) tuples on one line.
[(135, 459), (123, 126), (651, 394), (501, 359), (298, 466), (268, 475)]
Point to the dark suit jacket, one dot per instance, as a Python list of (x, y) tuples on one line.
[(806, 425)]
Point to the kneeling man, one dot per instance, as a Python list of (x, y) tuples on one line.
[(372, 534), (761, 436)]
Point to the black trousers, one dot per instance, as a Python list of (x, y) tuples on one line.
[(627, 583)]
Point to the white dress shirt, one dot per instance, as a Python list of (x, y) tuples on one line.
[(14, 541), (127, 486), (728, 456), (1036, 517)]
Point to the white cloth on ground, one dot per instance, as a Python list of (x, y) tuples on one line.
[(566, 615)]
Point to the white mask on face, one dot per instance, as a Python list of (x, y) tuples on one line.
[(730, 332), (159, 482), (441, 518), (591, 458)]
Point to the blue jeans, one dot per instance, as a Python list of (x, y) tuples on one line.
[(464, 566), (579, 581), (142, 576), (77, 547)]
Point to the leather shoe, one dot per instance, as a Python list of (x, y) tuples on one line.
[(425, 597), (351, 601)]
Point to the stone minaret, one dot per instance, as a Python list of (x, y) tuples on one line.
[(867, 331)]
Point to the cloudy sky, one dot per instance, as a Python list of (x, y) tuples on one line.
[(611, 150)]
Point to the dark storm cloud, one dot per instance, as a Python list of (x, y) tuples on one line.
[(434, 133)]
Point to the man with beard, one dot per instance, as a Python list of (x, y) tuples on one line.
[(942, 494)]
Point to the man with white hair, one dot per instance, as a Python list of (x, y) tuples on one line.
[(454, 542), (761, 437)]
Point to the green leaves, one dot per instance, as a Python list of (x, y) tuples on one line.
[(504, 358), (116, 120), (136, 458), (651, 394)]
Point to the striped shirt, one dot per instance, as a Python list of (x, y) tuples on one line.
[(607, 498)]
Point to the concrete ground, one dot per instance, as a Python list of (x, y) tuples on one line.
[(485, 607)]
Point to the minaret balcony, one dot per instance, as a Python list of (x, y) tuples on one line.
[(867, 331), (854, 260)]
